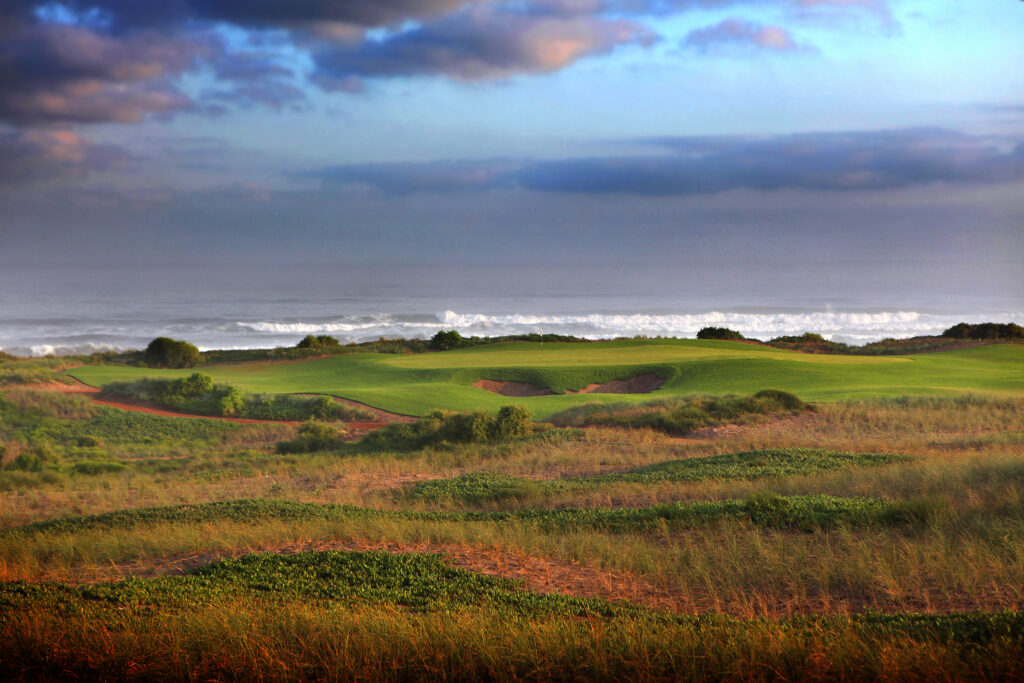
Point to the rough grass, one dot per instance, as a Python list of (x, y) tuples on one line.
[(694, 525), (484, 487)]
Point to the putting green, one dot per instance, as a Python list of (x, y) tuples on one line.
[(415, 384)]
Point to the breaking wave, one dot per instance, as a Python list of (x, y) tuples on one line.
[(856, 327)]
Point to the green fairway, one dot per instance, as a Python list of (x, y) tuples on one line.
[(417, 383)]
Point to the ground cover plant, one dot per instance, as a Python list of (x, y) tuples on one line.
[(452, 617), (873, 537), (481, 487)]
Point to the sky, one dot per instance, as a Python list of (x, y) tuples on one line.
[(883, 139)]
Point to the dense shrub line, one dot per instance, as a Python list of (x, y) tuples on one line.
[(441, 428), (198, 394)]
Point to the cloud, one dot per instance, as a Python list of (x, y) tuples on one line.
[(39, 155), (435, 176), (739, 32), (57, 73), (865, 161), (482, 44)]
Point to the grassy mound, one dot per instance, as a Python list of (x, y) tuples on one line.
[(803, 513), (482, 487), (681, 416)]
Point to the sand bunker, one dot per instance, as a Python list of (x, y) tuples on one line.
[(517, 389), (640, 384)]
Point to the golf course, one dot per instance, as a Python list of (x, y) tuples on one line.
[(415, 384)]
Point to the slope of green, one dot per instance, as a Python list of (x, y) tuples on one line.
[(415, 384)]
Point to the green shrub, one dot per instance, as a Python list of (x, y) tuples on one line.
[(313, 437), (33, 460), (322, 341), (783, 398), (198, 394), (513, 422), (985, 331), (441, 428), (718, 333), (447, 340), (806, 337), (164, 352)]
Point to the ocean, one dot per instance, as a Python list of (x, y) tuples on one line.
[(48, 309)]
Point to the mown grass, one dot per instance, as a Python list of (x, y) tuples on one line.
[(416, 384)]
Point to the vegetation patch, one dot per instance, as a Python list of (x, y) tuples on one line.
[(681, 416), (164, 352), (198, 394), (985, 331), (481, 487), (800, 513), (442, 428), (418, 581), (313, 437)]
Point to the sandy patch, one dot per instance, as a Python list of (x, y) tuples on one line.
[(639, 384), (516, 389)]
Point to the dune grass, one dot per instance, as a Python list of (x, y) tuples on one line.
[(868, 538), (483, 487)]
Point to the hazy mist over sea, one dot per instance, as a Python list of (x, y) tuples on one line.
[(69, 309)]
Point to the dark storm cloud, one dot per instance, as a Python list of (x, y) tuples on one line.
[(693, 166), (484, 44)]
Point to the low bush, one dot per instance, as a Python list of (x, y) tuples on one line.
[(985, 331), (322, 341), (33, 460), (441, 428), (313, 437), (447, 340), (718, 333), (164, 352), (806, 337)]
